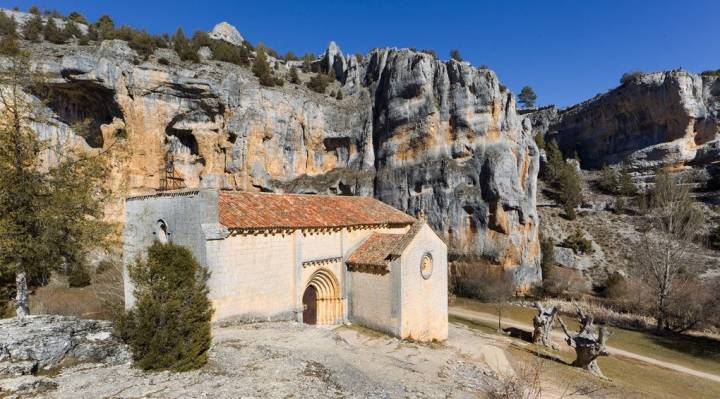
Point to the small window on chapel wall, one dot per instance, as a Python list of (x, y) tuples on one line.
[(161, 231), (426, 266)]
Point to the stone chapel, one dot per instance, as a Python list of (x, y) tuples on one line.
[(315, 259)]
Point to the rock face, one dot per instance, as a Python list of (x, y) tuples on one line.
[(225, 31), (651, 120), (37, 343), (413, 131)]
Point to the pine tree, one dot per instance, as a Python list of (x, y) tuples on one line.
[(527, 97), (319, 82), (105, 27), (555, 161), (71, 30), (33, 29), (261, 68), (626, 183), (455, 55), (77, 17), (608, 181), (339, 95), (540, 140), (294, 77), (569, 186), (34, 10), (52, 33), (183, 48), (169, 327), (8, 26), (55, 216)]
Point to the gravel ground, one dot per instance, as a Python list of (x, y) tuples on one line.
[(290, 360)]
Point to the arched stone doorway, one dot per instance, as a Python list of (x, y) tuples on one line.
[(322, 302)]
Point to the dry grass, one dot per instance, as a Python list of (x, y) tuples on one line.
[(103, 299), (697, 352)]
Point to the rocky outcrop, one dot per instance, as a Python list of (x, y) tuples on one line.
[(225, 31), (42, 343), (413, 131), (663, 119)]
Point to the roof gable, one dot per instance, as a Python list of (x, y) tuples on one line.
[(378, 249), (247, 210)]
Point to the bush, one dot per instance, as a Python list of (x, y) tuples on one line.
[(169, 328), (565, 283), (104, 28), (618, 182), (483, 281), (78, 276), (294, 78), (226, 52), (547, 262), (569, 189), (455, 55), (52, 33), (8, 26), (578, 243), (319, 82), (140, 41), (608, 182), (182, 47), (711, 73), (616, 287), (539, 140), (261, 68), (631, 76), (33, 29), (71, 30), (339, 95), (78, 18)]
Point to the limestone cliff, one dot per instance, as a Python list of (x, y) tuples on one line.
[(651, 120), (413, 131)]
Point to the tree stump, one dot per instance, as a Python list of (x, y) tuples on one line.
[(543, 324), (588, 343)]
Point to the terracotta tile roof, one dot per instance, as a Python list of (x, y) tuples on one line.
[(379, 248), (246, 210)]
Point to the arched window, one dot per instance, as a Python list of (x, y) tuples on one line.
[(161, 231)]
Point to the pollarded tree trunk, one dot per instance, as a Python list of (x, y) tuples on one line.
[(589, 345), (543, 324), (22, 307)]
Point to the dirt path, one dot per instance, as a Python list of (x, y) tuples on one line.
[(473, 315)]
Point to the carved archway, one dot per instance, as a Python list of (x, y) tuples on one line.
[(328, 300)]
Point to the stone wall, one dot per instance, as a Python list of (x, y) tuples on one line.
[(253, 276), (184, 214), (424, 302), (374, 300)]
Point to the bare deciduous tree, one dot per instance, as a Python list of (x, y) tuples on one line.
[(543, 324), (588, 342), (663, 254)]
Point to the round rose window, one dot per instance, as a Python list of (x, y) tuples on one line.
[(426, 266)]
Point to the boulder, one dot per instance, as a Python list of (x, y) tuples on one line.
[(205, 53), (26, 385), (36, 343), (567, 258), (226, 32)]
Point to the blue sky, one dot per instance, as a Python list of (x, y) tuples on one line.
[(567, 51)]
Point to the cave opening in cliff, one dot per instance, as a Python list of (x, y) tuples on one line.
[(182, 140), (83, 105)]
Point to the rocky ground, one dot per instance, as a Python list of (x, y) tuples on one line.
[(613, 234), (277, 360)]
